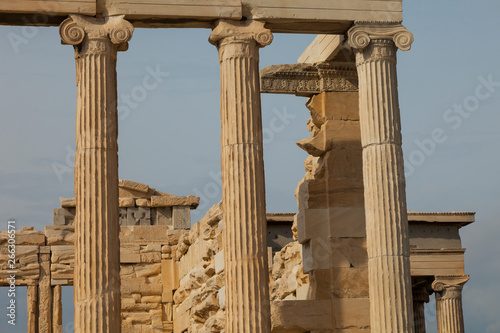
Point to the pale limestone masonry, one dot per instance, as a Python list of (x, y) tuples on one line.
[(358, 263), (448, 291), (174, 280), (97, 284), (387, 239), (245, 256)]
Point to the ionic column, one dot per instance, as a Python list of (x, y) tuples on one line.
[(388, 246), (448, 290), (97, 248), (420, 297), (244, 204)]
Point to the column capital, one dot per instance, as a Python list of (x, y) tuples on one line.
[(449, 281), (76, 28), (363, 33), (241, 32)]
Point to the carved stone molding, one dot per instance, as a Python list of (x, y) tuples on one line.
[(444, 284), (309, 79), (76, 28), (449, 303), (247, 31), (363, 33)]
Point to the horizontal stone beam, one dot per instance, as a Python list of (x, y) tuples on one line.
[(323, 48), (176, 9), (292, 16), (49, 7), (301, 316), (309, 79)]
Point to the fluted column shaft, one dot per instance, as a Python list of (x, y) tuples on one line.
[(420, 297), (449, 311), (383, 175), (243, 194), (97, 247)]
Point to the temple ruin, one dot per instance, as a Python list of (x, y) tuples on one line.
[(352, 258)]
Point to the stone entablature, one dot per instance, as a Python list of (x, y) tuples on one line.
[(309, 79), (313, 16)]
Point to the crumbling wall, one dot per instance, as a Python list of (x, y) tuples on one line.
[(199, 300), (149, 274), (331, 219), (288, 281)]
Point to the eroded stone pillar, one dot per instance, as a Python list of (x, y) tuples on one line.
[(388, 246), (57, 309), (32, 308), (420, 297), (244, 203), (448, 290), (97, 251), (44, 292)]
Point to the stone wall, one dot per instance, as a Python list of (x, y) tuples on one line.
[(173, 280), (288, 281), (199, 300)]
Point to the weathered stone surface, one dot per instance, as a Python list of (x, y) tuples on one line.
[(449, 310), (67, 202), (181, 217), (134, 186), (173, 200), (138, 216), (126, 202), (351, 313), (97, 265), (145, 234), (243, 174), (383, 172), (289, 316), (60, 235), (64, 216), (25, 237), (161, 216), (323, 48), (309, 79), (147, 289)]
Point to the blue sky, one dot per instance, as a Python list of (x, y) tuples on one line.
[(169, 138)]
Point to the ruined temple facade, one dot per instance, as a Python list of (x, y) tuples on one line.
[(358, 260), (172, 274)]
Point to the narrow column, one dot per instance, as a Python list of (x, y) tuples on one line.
[(244, 203), (44, 292), (32, 308), (449, 311), (57, 309), (420, 297), (388, 245), (97, 252)]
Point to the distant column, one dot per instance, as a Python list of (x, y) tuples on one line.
[(244, 203), (57, 309), (97, 246), (448, 289), (388, 245), (32, 308), (420, 297)]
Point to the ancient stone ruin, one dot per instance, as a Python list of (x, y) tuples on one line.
[(352, 259)]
